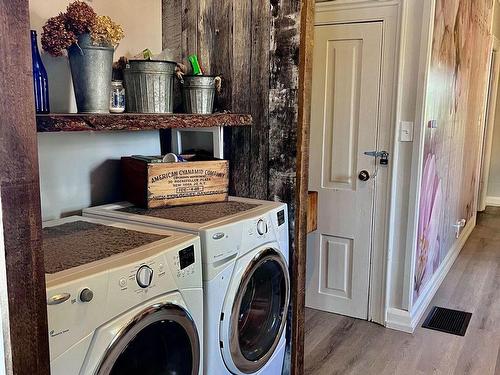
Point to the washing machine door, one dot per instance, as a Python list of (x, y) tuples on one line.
[(160, 340), (259, 311)]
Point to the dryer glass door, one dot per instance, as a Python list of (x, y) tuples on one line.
[(161, 340), (259, 311)]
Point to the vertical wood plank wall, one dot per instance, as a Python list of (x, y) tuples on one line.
[(254, 45), (20, 196)]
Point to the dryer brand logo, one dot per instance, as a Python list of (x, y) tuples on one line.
[(218, 236), (55, 334)]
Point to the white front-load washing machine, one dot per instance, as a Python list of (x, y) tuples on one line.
[(245, 277), (122, 299)]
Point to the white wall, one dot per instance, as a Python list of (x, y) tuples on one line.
[(494, 175), (82, 169), (410, 71), (496, 19), (2, 355), (493, 192), (5, 355)]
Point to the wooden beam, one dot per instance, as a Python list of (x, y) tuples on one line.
[(20, 196), (304, 122), (172, 28), (259, 94)]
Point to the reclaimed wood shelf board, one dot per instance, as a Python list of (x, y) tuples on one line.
[(135, 122)]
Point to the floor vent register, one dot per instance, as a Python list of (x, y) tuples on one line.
[(446, 320)]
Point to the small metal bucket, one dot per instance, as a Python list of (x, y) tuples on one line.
[(150, 86), (91, 69), (199, 93)]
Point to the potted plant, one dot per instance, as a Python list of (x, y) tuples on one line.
[(90, 41)]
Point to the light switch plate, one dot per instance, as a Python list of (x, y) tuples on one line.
[(406, 131)]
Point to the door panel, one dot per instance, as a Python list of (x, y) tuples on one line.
[(344, 123), (337, 259), (341, 117)]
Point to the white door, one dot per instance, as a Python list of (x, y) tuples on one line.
[(344, 122)]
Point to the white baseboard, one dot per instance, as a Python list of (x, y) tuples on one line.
[(405, 321), (399, 319), (493, 201)]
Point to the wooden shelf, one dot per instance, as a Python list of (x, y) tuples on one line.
[(134, 122)]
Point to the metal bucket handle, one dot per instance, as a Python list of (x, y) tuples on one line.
[(80, 49), (218, 84), (217, 80), (82, 52), (179, 74)]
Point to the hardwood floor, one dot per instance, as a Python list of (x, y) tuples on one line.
[(336, 344)]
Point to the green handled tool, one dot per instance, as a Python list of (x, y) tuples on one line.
[(193, 59)]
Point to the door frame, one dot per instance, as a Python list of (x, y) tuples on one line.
[(387, 12), (489, 123)]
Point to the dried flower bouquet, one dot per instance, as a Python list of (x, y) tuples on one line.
[(62, 31)]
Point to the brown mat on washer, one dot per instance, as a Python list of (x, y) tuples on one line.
[(197, 213), (73, 244)]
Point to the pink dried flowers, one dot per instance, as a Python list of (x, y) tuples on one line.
[(55, 37), (80, 17), (60, 32)]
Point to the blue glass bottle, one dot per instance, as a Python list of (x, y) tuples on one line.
[(40, 78)]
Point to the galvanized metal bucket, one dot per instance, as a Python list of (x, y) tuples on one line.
[(199, 93), (91, 69), (150, 86)]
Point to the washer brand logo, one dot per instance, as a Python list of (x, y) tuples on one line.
[(55, 334), (218, 236)]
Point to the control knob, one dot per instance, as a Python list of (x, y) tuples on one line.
[(144, 276), (261, 227), (86, 295)]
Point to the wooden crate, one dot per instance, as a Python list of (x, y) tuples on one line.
[(153, 185)]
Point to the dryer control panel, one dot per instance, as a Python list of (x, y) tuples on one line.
[(223, 242)]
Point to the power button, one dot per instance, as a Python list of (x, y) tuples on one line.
[(123, 282)]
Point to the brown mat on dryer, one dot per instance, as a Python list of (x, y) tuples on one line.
[(73, 244), (197, 213)]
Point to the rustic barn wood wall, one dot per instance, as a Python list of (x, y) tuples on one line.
[(20, 219), (254, 45)]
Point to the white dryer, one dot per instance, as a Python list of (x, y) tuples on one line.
[(122, 299), (245, 277)]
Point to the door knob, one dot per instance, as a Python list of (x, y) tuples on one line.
[(364, 175)]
